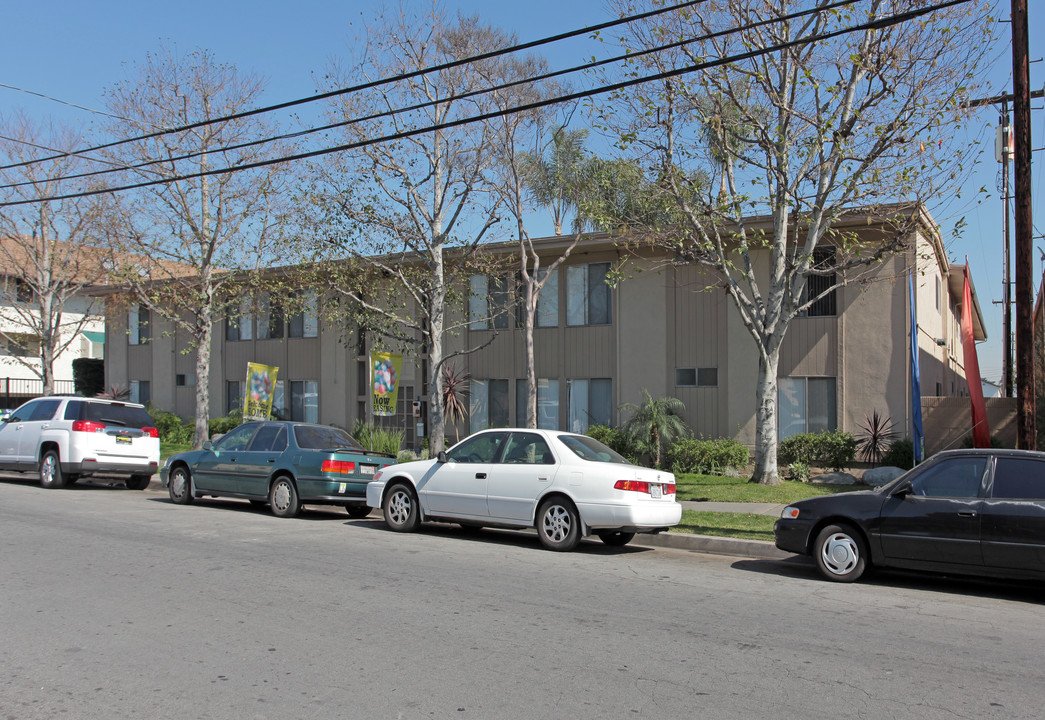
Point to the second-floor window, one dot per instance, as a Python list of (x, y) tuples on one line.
[(488, 302), (823, 257), (239, 325), (138, 318), (587, 295)]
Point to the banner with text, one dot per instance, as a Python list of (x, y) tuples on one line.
[(261, 386), (384, 377)]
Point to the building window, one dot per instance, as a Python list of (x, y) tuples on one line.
[(547, 302), (23, 291), (23, 345), (305, 322), (587, 295), (270, 319), (138, 325), (140, 392), (185, 380), (823, 257), (239, 324), (696, 377), (304, 400), (489, 300), (590, 402), (939, 293), (233, 396), (547, 403), (487, 404), (806, 405)]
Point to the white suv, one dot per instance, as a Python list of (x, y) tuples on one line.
[(65, 438)]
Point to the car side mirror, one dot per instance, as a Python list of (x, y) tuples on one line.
[(441, 457), (902, 490), (207, 445)]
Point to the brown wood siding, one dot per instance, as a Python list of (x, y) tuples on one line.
[(810, 348), (699, 341)]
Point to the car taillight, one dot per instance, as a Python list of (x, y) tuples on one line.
[(88, 426), (338, 466), (634, 485), (643, 487), (151, 432)]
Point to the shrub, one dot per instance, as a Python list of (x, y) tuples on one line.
[(798, 472), (409, 455), (88, 376), (615, 439), (900, 454), (378, 439), (706, 456), (172, 428), (221, 425), (834, 450)]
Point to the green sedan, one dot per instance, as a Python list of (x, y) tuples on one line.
[(281, 464)]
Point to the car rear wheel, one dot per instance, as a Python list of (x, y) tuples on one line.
[(283, 497), (616, 538), (840, 553), (558, 525), (400, 508), (138, 482), (180, 486), (51, 470), (356, 510)]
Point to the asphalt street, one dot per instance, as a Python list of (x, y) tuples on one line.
[(119, 604)]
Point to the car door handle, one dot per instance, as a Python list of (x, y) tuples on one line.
[(480, 476), (232, 459), (272, 460), (966, 513)]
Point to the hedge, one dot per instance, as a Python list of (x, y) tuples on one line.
[(835, 450), (706, 456)]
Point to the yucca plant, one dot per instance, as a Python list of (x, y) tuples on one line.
[(455, 396), (378, 439), (875, 438)]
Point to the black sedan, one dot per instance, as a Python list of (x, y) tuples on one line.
[(279, 464), (970, 512)]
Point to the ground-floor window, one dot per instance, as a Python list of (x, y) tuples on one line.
[(590, 402), (140, 391), (487, 404), (233, 396), (547, 403), (806, 405)]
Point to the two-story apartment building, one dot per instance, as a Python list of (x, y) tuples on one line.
[(664, 327)]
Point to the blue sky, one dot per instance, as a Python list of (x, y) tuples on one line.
[(72, 50)]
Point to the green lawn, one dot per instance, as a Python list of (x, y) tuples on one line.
[(733, 525), (715, 488), (168, 449)]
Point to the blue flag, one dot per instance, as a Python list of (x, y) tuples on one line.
[(916, 383)]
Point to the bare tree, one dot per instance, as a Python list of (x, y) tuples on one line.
[(207, 238), (803, 132), (415, 208), (48, 247)]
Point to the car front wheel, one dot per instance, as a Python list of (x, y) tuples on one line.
[(51, 470), (840, 553), (283, 497), (558, 525), (400, 508), (180, 486)]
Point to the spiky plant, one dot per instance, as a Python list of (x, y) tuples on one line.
[(455, 396), (875, 438)]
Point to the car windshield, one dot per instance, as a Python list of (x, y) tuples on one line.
[(323, 437), (591, 449)]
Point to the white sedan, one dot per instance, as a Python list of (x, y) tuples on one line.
[(566, 486)]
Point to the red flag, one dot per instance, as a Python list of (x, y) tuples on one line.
[(981, 434)]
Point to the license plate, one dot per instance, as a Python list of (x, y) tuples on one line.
[(367, 469), (123, 439), (655, 490)]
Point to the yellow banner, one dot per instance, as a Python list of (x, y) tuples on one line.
[(261, 386), (384, 377)]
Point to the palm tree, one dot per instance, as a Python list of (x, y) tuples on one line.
[(654, 423), (557, 180)]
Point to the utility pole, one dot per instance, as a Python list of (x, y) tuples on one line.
[(1026, 436), (1006, 364)]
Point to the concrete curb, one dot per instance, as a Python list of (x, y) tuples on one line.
[(713, 545)]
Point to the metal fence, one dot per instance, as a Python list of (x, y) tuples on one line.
[(15, 391)]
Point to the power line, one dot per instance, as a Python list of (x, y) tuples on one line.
[(63, 102), (377, 83), (877, 24), (464, 96)]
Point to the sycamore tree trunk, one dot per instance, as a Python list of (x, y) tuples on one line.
[(531, 372), (766, 418), (436, 324), (204, 331)]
